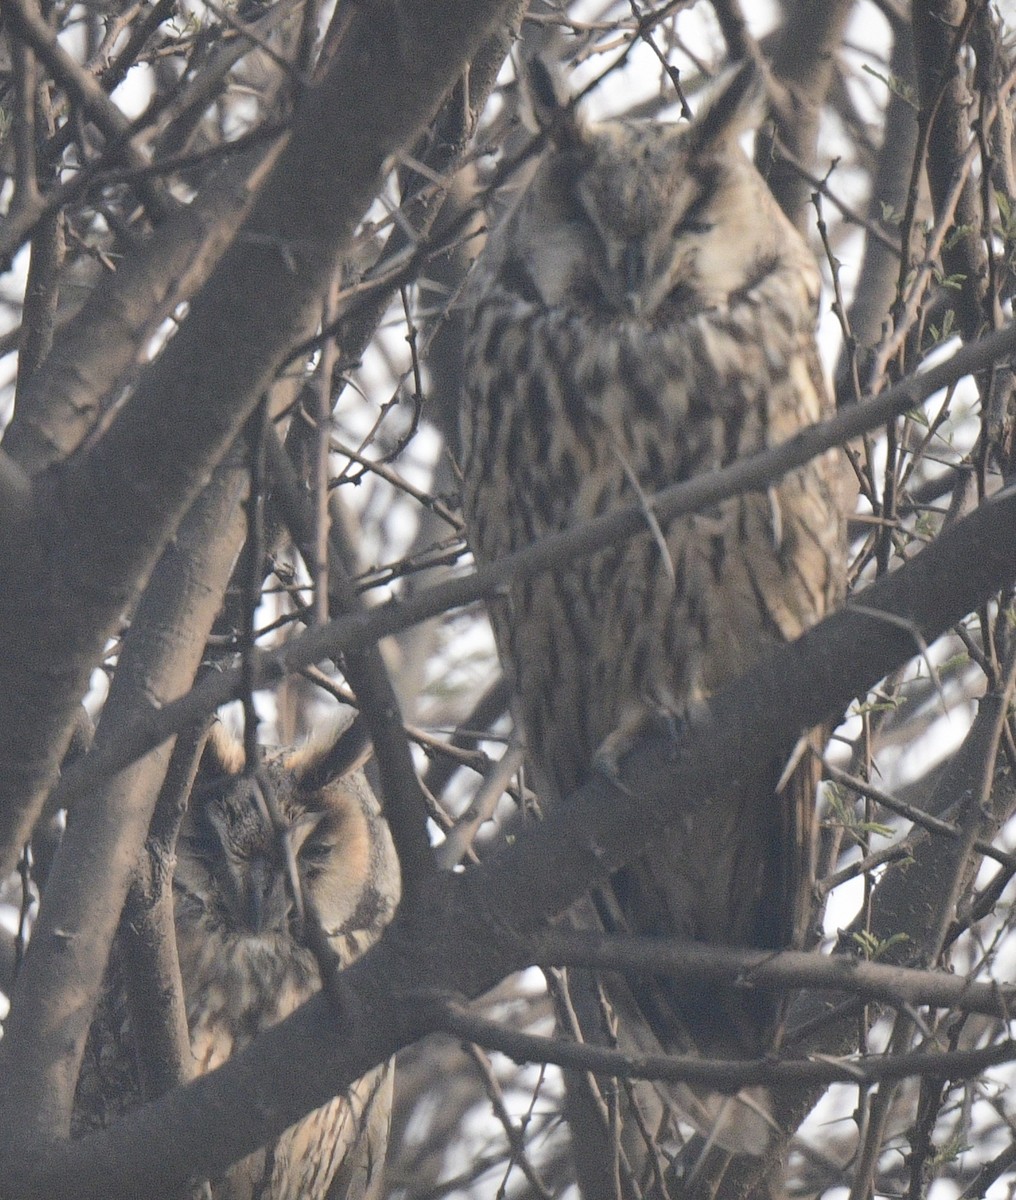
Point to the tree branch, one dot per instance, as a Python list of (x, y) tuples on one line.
[(109, 511), (57, 988), (723, 1075), (473, 929), (892, 984), (365, 669), (552, 552)]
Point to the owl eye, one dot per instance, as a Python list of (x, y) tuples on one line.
[(316, 854), (517, 279), (564, 185), (576, 210), (202, 842), (696, 217)]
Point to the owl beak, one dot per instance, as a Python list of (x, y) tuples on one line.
[(267, 902), (633, 272)]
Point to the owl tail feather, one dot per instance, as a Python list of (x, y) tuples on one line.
[(740, 1124), (607, 1010)]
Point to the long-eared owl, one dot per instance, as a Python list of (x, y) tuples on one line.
[(646, 313), (243, 965)]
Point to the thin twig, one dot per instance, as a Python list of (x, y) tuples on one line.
[(755, 472), (763, 969), (451, 1018)]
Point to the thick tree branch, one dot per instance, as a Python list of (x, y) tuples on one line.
[(941, 28), (552, 552), (475, 928), (804, 63), (148, 938), (65, 397), (107, 513), (52, 1004), (876, 283)]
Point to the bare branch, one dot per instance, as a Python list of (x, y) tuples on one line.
[(472, 929), (342, 633)]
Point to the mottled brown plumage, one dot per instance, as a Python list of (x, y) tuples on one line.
[(644, 314), (244, 966)]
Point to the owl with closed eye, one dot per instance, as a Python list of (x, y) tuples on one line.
[(242, 887), (645, 314)]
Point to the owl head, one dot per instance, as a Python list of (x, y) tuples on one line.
[(238, 873), (643, 220)]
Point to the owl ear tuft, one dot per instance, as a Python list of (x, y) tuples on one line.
[(318, 764), (737, 106), (546, 107), (222, 755)]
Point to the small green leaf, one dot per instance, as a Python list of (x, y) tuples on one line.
[(899, 87), (872, 947)]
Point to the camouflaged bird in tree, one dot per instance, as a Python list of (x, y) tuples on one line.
[(245, 965), (645, 314)]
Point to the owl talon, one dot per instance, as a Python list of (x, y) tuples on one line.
[(647, 723)]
